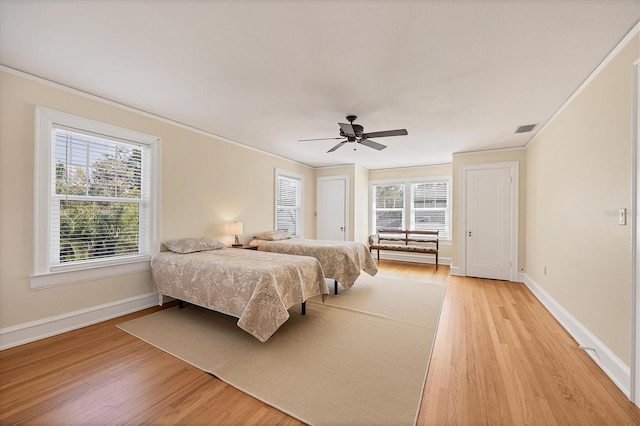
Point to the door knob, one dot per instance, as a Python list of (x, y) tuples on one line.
[(469, 233), (342, 228)]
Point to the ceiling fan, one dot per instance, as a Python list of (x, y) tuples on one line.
[(354, 133)]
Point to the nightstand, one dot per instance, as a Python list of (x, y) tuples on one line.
[(245, 246)]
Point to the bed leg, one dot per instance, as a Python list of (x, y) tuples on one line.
[(304, 307), (335, 288), (180, 304), (160, 299)]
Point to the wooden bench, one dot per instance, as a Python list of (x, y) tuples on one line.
[(404, 240)]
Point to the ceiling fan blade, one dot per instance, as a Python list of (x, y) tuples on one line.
[(321, 139), (398, 132), (337, 146), (347, 129), (372, 144)]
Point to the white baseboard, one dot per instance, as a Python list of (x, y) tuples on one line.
[(411, 257), (617, 370), (29, 332)]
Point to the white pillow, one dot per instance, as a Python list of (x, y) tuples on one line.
[(191, 245), (273, 236)]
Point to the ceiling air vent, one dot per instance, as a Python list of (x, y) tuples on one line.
[(525, 129)]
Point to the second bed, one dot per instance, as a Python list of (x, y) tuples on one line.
[(341, 261)]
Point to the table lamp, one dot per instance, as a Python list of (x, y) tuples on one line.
[(236, 229)]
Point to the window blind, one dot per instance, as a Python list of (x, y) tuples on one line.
[(389, 206), (287, 204), (99, 197), (429, 207)]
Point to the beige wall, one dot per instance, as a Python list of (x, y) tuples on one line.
[(411, 172), (579, 172), (486, 157), (443, 170), (361, 205), (205, 183)]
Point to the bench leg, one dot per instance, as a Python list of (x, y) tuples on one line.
[(335, 286), (378, 255), (304, 307), (436, 261)]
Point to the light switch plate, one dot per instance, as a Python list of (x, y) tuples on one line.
[(622, 216)]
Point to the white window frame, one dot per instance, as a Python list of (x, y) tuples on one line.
[(408, 218), (44, 275), (299, 199), (446, 210)]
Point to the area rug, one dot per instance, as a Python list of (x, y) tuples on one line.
[(361, 357)]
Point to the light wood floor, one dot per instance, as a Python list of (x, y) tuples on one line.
[(499, 358)]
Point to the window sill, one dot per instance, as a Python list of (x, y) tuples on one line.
[(92, 273)]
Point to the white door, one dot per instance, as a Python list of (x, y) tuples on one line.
[(332, 209), (488, 230)]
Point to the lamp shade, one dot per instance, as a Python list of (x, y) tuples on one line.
[(236, 228)]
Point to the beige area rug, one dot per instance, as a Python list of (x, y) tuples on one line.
[(360, 358)]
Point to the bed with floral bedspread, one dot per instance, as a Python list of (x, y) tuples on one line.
[(256, 287), (340, 260)]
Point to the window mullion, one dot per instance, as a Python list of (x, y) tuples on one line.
[(408, 200), (97, 199)]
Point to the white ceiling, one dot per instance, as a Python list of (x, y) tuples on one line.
[(458, 75)]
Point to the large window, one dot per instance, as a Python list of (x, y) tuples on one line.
[(421, 204), (289, 212), (95, 197)]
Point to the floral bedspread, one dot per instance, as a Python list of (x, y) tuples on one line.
[(256, 287), (340, 260)]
